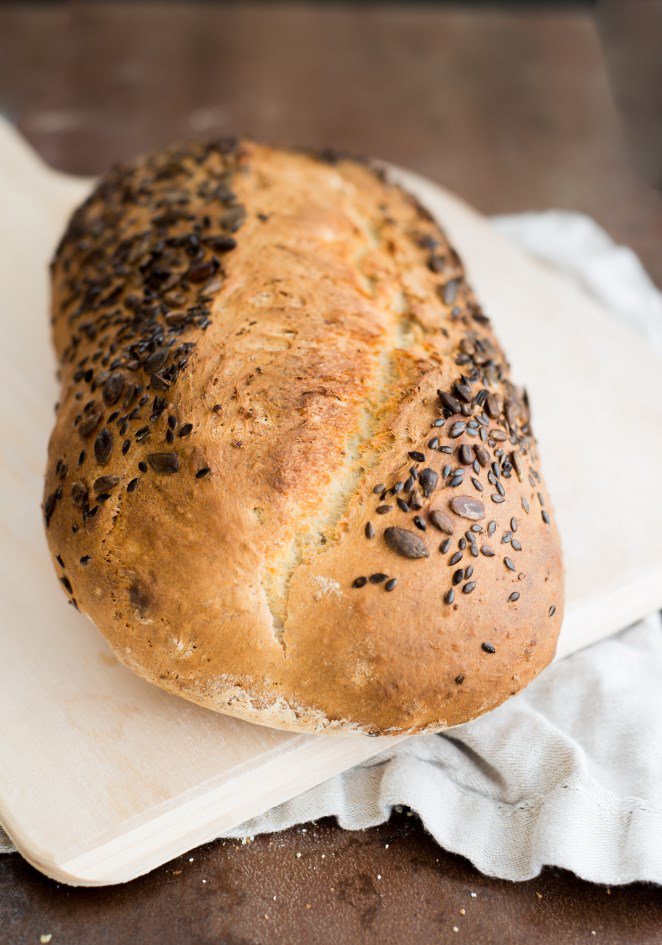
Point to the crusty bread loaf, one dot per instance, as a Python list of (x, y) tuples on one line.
[(290, 478)]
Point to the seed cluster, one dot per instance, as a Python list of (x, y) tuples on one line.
[(138, 296), (138, 268), (480, 441)]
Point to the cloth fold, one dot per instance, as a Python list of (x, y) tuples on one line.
[(568, 772)]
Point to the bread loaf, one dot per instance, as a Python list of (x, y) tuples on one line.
[(290, 478)]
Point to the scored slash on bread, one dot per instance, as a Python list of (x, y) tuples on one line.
[(290, 478)]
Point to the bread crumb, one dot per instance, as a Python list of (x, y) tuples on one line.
[(463, 912), (539, 895), (298, 856), (44, 939), (455, 928), (473, 895)]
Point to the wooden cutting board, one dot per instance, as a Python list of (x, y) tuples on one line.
[(103, 776)]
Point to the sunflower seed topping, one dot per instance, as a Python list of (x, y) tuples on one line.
[(164, 463), (468, 507), (405, 543)]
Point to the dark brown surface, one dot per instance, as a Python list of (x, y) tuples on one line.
[(320, 884), (513, 111), (631, 32)]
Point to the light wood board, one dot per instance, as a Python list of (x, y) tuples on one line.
[(103, 776)]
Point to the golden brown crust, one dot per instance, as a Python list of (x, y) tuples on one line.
[(290, 478)]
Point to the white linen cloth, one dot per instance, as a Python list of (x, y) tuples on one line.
[(569, 772)]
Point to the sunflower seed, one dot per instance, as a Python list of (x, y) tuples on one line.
[(468, 507), (112, 389), (428, 479), (405, 543), (103, 446), (165, 463), (441, 521), (105, 483), (449, 402)]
